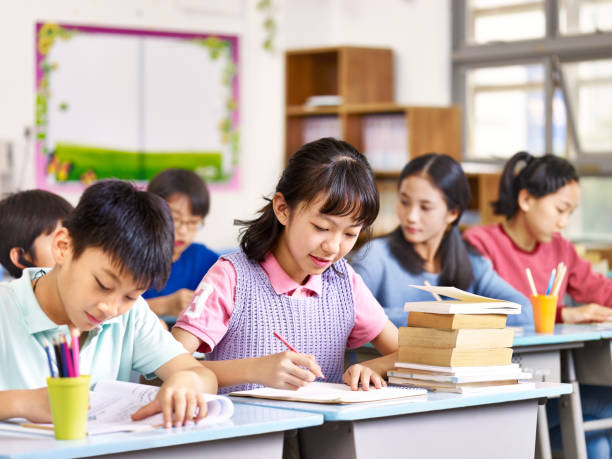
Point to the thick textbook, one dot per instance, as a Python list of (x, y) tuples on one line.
[(322, 392), (113, 402), (481, 376), (456, 321), (462, 303), (455, 357), (464, 339)]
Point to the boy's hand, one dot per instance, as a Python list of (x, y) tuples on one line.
[(360, 373), (287, 370), (588, 313), (180, 300), (178, 399), (34, 404)]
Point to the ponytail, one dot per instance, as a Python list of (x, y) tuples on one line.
[(258, 236), (539, 176)]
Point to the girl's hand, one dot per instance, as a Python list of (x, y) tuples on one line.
[(360, 373), (588, 313), (287, 370), (178, 399)]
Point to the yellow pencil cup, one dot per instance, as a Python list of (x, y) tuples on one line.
[(544, 312), (69, 399)]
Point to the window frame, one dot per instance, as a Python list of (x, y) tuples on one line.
[(553, 50)]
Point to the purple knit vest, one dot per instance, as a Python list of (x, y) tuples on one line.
[(314, 325)]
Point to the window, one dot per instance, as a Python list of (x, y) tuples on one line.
[(535, 76)]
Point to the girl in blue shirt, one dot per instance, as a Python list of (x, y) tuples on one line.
[(427, 246)]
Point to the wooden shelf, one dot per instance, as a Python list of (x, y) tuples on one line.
[(363, 79)]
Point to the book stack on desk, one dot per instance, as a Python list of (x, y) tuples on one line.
[(458, 345)]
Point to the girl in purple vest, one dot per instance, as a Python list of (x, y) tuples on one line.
[(290, 277)]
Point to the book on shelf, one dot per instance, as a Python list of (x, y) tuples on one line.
[(461, 303), (463, 339), (466, 388), (456, 321), (323, 101), (385, 141), (452, 357), (316, 127), (111, 404), (482, 376), (322, 392)]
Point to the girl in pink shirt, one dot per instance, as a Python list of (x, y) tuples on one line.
[(537, 202), (290, 277), (537, 197)]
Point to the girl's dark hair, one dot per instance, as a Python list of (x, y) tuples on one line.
[(326, 166), (539, 176), (182, 181), (23, 217), (447, 175)]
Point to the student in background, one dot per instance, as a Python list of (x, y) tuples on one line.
[(189, 201), (115, 244), (427, 246), (28, 222), (290, 276), (537, 195)]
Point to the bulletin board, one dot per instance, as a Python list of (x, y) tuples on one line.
[(129, 103)]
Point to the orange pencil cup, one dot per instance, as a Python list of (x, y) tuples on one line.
[(69, 399), (544, 312)]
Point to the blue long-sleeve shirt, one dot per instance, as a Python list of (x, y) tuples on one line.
[(389, 282)]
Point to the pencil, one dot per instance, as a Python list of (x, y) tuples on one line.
[(551, 280), (286, 343), (531, 282), (435, 295), (66, 356), (76, 353), (559, 279), (48, 352), (58, 358)]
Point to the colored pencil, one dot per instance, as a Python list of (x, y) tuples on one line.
[(286, 343), (66, 356), (76, 353), (553, 273), (559, 279), (61, 368), (48, 352), (534, 291)]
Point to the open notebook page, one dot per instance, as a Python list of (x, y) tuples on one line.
[(321, 392)]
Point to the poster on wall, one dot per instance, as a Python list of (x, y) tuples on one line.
[(128, 103)]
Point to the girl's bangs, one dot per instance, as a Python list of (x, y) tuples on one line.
[(350, 199)]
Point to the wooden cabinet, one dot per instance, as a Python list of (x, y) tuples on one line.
[(360, 83)]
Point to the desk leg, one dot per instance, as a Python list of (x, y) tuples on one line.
[(570, 411), (542, 436)]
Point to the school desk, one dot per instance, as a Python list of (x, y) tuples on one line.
[(557, 357), (500, 425), (253, 432)]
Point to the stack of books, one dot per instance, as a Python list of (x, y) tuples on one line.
[(459, 345)]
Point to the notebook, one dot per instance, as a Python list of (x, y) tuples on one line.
[(113, 402), (322, 392)]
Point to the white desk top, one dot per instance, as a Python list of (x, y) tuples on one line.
[(433, 401), (247, 420)]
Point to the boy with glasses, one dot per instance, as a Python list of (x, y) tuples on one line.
[(189, 202)]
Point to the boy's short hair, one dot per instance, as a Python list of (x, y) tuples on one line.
[(182, 181), (133, 227), (24, 216)]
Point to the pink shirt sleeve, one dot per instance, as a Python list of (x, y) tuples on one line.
[(210, 310), (370, 317), (583, 283)]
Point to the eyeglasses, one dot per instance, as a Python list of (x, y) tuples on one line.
[(189, 225)]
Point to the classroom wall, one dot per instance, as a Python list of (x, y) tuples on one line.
[(422, 72)]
